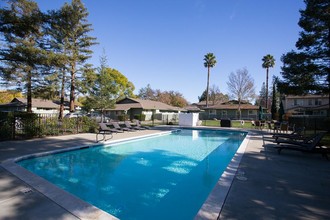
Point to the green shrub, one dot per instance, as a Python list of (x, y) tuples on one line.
[(140, 117), (88, 125), (123, 117), (6, 130), (50, 126), (6, 125)]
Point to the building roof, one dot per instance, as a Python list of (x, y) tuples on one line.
[(128, 103), (217, 102), (233, 107), (37, 103), (126, 107), (193, 108), (211, 102), (309, 96)]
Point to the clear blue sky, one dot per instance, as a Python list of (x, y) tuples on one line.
[(163, 42)]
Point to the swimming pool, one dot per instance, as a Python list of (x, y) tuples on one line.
[(168, 176)]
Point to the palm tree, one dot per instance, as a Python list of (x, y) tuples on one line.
[(268, 62), (209, 62)]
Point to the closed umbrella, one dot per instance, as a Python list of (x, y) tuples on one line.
[(261, 113)]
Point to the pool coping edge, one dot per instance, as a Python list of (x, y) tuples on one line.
[(213, 205)]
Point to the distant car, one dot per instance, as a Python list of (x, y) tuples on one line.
[(98, 117), (73, 115)]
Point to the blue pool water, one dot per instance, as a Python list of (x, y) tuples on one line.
[(163, 177)]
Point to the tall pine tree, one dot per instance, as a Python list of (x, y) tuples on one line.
[(22, 52), (76, 41), (308, 69), (275, 100)]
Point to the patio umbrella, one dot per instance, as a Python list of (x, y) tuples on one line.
[(261, 113)]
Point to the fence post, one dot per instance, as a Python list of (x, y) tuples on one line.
[(13, 128), (39, 120)]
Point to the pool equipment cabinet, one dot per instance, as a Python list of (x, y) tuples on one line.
[(188, 119)]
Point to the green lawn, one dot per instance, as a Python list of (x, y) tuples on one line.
[(235, 124)]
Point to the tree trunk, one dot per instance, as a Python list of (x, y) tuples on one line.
[(72, 88), (267, 89), (239, 109), (60, 116), (29, 91), (207, 87)]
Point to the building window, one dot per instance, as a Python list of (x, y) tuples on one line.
[(295, 102), (318, 102), (310, 102), (224, 113), (213, 112)]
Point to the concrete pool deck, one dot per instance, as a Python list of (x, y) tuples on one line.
[(291, 185)]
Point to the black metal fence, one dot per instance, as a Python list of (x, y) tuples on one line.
[(21, 125), (315, 123)]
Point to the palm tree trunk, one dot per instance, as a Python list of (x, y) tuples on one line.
[(207, 87), (267, 89)]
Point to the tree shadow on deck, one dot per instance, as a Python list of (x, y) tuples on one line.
[(292, 185)]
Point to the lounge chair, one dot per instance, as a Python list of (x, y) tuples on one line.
[(297, 133), (259, 124), (291, 127), (104, 130), (277, 126), (269, 126), (115, 130), (138, 124), (296, 139), (117, 126), (128, 125), (104, 127), (310, 146), (284, 127)]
